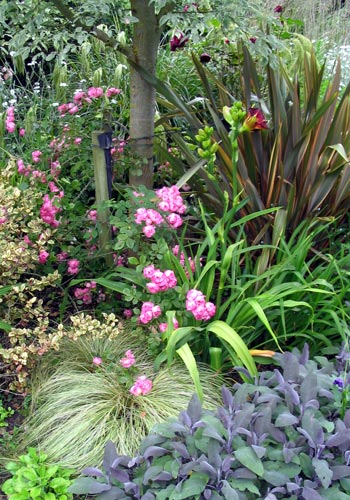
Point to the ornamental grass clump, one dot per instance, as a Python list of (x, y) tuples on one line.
[(94, 390), (283, 436)]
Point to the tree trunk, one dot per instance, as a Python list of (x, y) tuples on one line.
[(146, 39)]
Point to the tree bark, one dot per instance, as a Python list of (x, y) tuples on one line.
[(146, 37)]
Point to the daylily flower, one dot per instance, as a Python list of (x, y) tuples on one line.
[(178, 42), (204, 58), (255, 120)]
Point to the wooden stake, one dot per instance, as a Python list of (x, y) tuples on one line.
[(101, 195)]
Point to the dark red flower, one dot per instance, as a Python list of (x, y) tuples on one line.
[(204, 58), (187, 6), (253, 39), (255, 120), (178, 42), (278, 9)]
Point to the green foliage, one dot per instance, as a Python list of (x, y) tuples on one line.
[(278, 437), (4, 414), (272, 296), (321, 20), (33, 477)]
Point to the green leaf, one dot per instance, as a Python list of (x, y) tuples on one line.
[(5, 289), (339, 148), (285, 419), (275, 477), (231, 337), (59, 483), (290, 469), (247, 457), (49, 496), (187, 357), (244, 485), (30, 474), (193, 486), (166, 493), (86, 486), (333, 493), (263, 318), (179, 336), (36, 492), (5, 326), (323, 471), (229, 492), (191, 172)]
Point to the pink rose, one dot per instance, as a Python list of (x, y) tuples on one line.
[(43, 256), (142, 386)]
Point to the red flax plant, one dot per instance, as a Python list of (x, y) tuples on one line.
[(299, 159), (301, 163)]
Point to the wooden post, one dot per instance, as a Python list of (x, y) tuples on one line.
[(102, 196)]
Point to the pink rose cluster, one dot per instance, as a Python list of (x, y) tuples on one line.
[(72, 269), (92, 215), (197, 305), (142, 386), (149, 311), (81, 97), (118, 146), (128, 360), (22, 169), (36, 156), (73, 266), (3, 215), (10, 120), (49, 210), (5, 74), (170, 201), (160, 281), (164, 326), (43, 256), (97, 361), (85, 294), (181, 257), (151, 218)]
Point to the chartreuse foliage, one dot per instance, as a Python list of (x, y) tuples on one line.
[(279, 437), (34, 478)]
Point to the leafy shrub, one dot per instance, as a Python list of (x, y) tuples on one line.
[(276, 295), (5, 412), (281, 437), (22, 348), (34, 478)]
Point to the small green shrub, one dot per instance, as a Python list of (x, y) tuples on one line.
[(35, 479), (283, 436), (4, 413)]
